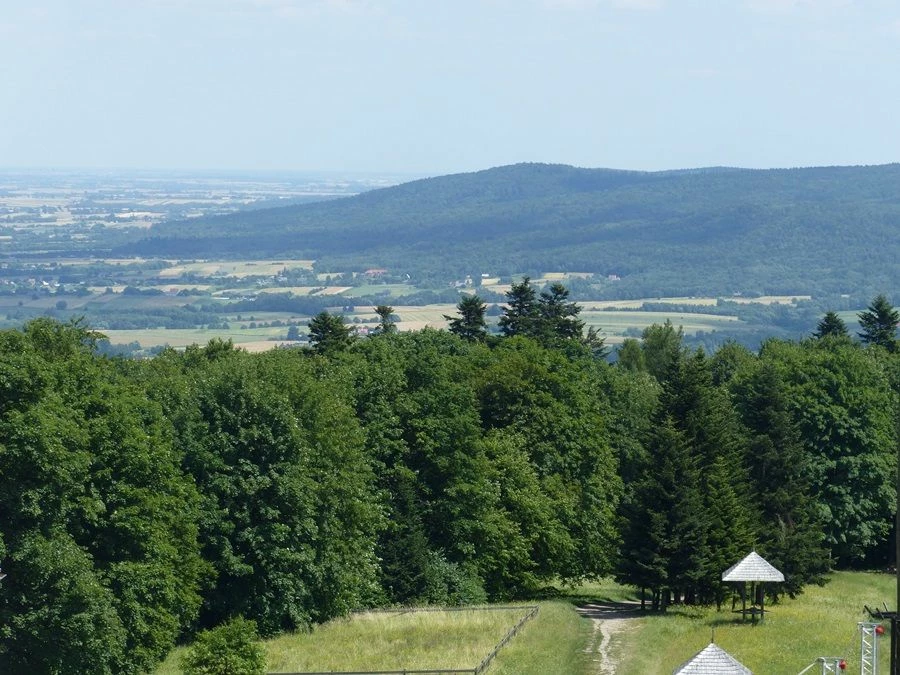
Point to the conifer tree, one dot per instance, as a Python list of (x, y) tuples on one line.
[(329, 334), (662, 347), (879, 324), (664, 539), (386, 321), (470, 324), (791, 535), (631, 356), (831, 325), (558, 317), (521, 314)]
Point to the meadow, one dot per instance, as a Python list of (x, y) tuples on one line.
[(430, 639), (822, 621)]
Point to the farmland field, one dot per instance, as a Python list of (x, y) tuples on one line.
[(199, 299), (238, 269), (613, 325)]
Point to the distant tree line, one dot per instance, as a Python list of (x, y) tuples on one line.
[(143, 501)]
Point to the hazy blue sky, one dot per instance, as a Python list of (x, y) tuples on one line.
[(440, 86)]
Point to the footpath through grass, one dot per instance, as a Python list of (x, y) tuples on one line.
[(820, 622)]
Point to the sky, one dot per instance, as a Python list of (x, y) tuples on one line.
[(430, 87)]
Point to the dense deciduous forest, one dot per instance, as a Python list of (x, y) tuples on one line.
[(821, 231), (144, 500)]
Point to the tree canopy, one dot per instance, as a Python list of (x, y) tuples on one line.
[(145, 501)]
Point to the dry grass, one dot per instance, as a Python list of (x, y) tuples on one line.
[(239, 269), (418, 640)]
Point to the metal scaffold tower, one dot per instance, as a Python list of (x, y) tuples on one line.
[(832, 664), (828, 664), (869, 633)]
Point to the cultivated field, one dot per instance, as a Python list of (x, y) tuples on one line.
[(614, 326), (123, 293), (237, 269)]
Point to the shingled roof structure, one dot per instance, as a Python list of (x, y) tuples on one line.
[(752, 568), (713, 660)]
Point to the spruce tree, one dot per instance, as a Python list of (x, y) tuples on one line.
[(662, 347), (664, 538), (558, 316), (386, 320), (470, 324), (791, 535), (879, 324), (329, 334), (831, 325), (521, 314)]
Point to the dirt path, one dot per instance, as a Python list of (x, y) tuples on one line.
[(610, 620)]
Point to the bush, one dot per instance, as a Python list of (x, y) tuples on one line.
[(449, 583), (230, 649)]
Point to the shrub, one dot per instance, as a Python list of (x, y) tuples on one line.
[(230, 649)]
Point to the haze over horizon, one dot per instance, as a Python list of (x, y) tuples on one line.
[(406, 87)]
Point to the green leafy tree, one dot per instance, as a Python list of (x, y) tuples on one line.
[(88, 462), (288, 529), (550, 400), (329, 334), (470, 324), (230, 649), (879, 324), (841, 400), (630, 402), (58, 616), (729, 361)]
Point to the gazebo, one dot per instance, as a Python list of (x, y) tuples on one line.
[(713, 660), (755, 569)]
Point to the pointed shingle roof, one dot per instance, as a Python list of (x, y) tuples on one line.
[(713, 660), (752, 568)]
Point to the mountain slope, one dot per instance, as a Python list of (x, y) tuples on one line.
[(830, 229)]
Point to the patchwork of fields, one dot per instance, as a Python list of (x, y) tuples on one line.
[(153, 303)]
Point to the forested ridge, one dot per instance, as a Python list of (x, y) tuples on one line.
[(819, 231), (141, 501)]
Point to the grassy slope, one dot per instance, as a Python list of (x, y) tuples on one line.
[(820, 622), (552, 642)]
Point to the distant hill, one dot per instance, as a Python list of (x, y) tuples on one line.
[(822, 230)]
